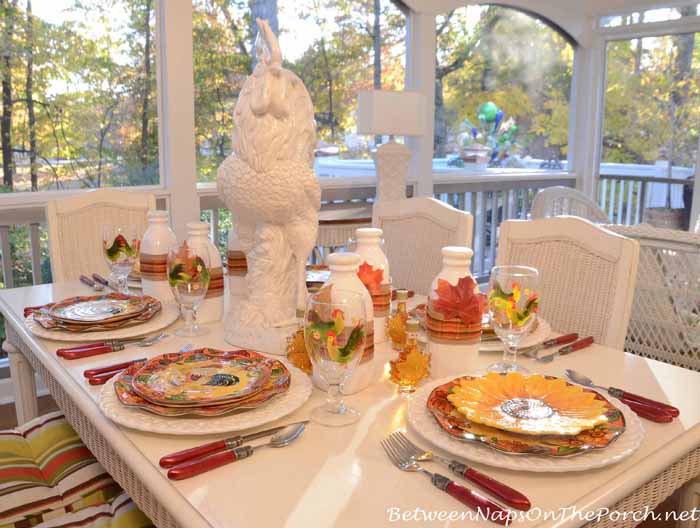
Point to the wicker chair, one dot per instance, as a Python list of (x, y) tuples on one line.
[(558, 201), (665, 323), (415, 231), (587, 273), (75, 228)]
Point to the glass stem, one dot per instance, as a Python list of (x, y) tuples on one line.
[(334, 399), (188, 316), (123, 284), (510, 354)]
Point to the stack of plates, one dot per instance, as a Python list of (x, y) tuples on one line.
[(517, 414), (97, 312), (202, 382)]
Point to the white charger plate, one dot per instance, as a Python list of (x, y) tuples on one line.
[(424, 424), (167, 316), (278, 407)]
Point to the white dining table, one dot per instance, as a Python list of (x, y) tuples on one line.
[(340, 476)]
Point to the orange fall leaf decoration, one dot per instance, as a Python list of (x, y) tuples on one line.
[(460, 301), (370, 277)]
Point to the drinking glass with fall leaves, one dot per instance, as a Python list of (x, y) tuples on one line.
[(513, 302), (120, 247), (188, 276)]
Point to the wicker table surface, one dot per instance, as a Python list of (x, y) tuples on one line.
[(340, 477)]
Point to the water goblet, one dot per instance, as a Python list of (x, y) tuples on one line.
[(335, 329), (512, 303), (121, 248), (188, 276)]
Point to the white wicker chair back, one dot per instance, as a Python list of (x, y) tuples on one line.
[(75, 228), (665, 322), (415, 231), (558, 201), (587, 273)]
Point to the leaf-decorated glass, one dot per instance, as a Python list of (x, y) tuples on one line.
[(513, 302), (335, 327), (188, 276), (120, 247)]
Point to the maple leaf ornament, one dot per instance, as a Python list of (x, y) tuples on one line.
[(461, 301), (370, 277)]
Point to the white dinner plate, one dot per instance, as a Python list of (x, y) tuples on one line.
[(424, 424), (167, 316), (278, 407)]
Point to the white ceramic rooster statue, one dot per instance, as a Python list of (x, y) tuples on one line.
[(269, 185)]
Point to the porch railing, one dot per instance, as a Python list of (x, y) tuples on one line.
[(625, 198), (490, 198)]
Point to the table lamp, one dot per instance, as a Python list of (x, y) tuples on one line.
[(383, 112)]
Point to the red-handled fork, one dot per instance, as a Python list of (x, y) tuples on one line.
[(91, 373), (506, 494), (568, 349), (483, 506)]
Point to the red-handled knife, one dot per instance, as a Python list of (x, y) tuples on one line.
[(90, 373), (573, 347), (89, 352), (561, 340), (103, 378)]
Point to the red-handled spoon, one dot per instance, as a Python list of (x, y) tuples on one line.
[(651, 413), (89, 352), (579, 378), (103, 378)]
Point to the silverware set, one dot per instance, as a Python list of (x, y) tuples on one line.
[(572, 342), (101, 375), (486, 508), (107, 346), (198, 460)]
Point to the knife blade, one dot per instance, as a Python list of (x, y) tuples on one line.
[(178, 457)]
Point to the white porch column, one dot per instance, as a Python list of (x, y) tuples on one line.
[(175, 82), (586, 111), (420, 77)]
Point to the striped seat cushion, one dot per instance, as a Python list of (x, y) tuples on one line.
[(47, 472)]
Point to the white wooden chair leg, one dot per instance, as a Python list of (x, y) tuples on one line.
[(690, 499), (23, 384)]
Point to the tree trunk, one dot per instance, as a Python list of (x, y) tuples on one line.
[(33, 168), (440, 138), (329, 83), (377, 43), (146, 87), (266, 10), (8, 165)]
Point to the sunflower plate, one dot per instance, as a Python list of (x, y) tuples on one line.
[(457, 426)]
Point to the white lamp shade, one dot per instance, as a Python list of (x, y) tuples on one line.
[(390, 113)]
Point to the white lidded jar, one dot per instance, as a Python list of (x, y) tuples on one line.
[(374, 274), (211, 308), (236, 266), (343, 268), (452, 325), (153, 258)]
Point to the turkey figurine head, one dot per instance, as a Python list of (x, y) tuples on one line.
[(274, 117)]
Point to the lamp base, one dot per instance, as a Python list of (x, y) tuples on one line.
[(391, 163)]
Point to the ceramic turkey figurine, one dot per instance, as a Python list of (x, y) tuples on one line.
[(269, 185)]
